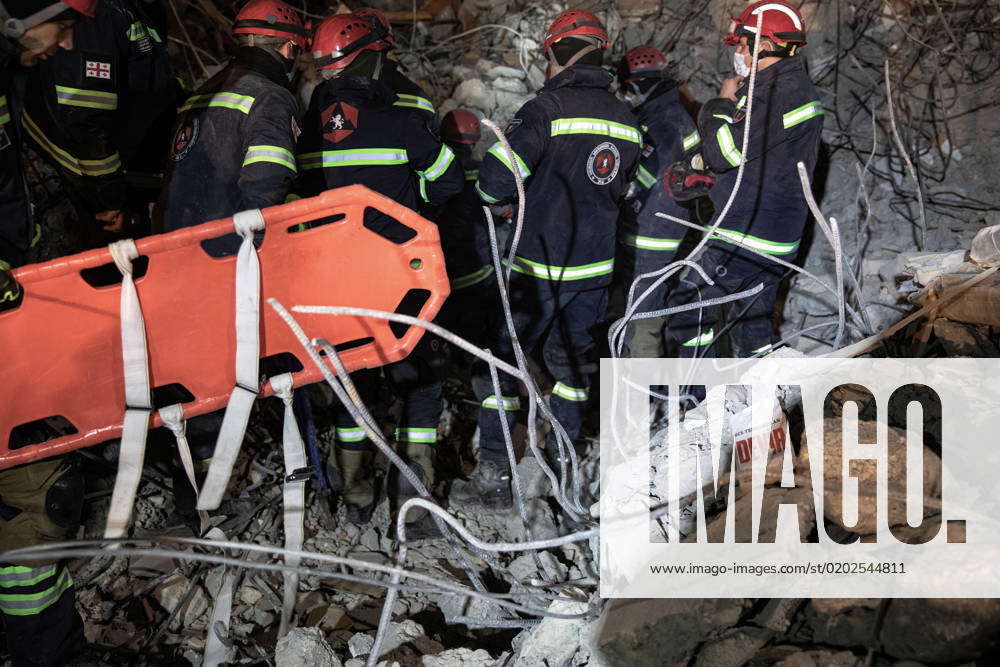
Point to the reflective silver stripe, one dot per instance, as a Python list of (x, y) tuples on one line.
[(93, 99), (416, 434), (226, 100), (275, 154), (569, 393), (547, 272), (645, 177), (692, 140), (802, 114), (499, 152), (352, 158), (595, 126), (485, 197), (651, 243), (353, 434), (441, 164), (413, 102), (508, 402), (18, 575)]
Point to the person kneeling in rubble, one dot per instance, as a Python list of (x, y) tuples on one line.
[(769, 211), (576, 147), (354, 133)]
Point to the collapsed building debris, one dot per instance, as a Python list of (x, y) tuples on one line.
[(901, 183)]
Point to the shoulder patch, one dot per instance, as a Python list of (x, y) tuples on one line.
[(339, 121), (185, 139), (603, 163)]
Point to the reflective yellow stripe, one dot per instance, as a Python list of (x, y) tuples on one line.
[(595, 126), (508, 402), (416, 435), (92, 99), (30, 604), (646, 178), (499, 152), (353, 434), (728, 146), (353, 158), (225, 100), (563, 273), (275, 154), (103, 167), (569, 393), (692, 140), (470, 279), (413, 102), (651, 243), (485, 197), (4, 112), (802, 114), (702, 340), (444, 159)]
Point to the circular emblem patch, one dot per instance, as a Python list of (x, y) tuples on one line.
[(603, 163), (184, 140)]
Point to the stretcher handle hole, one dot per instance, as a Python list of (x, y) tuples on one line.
[(108, 274), (171, 394), (387, 226), (411, 304), (228, 245), (350, 345), (282, 362), (416, 263), (318, 222), (40, 430)]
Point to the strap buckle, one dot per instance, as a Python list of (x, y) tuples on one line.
[(301, 474)]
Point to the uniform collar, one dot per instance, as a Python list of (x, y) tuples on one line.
[(783, 66), (263, 63), (580, 76), (659, 102), (362, 86)]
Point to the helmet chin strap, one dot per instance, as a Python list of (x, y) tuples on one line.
[(557, 68), (15, 28)]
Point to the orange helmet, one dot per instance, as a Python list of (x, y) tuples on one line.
[(644, 61), (460, 127), (272, 18), (340, 38), (379, 20), (85, 7), (781, 23), (578, 23)]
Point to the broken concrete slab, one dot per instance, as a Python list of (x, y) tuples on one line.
[(842, 621), (821, 659), (459, 657), (734, 648), (941, 630), (555, 641), (985, 249), (305, 646), (650, 633)]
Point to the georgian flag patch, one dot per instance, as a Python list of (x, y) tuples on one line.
[(96, 69)]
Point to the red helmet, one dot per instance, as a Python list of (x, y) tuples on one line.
[(340, 38), (379, 21), (272, 18), (85, 7), (575, 22), (781, 22), (460, 127), (644, 61)]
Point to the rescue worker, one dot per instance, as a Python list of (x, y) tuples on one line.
[(576, 147), (472, 306), (353, 133), (233, 150), (769, 211), (88, 110), (669, 135), (411, 96), (39, 502)]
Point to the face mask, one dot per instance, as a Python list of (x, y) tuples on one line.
[(740, 65)]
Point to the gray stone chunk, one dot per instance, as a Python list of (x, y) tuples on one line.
[(303, 647)]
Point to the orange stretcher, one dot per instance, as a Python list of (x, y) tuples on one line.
[(62, 344)]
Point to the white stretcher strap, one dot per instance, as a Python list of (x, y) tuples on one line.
[(294, 496), (138, 405), (218, 648), (173, 419), (234, 423)]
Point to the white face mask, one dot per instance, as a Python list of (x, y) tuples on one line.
[(740, 65)]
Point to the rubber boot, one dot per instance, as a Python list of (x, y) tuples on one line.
[(358, 494), (489, 487), (419, 522)]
